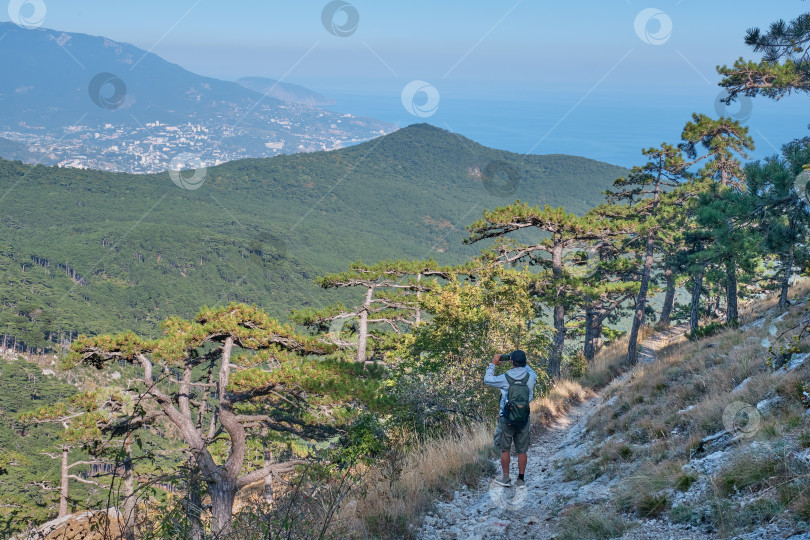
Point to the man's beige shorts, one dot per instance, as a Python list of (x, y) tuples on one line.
[(504, 436)]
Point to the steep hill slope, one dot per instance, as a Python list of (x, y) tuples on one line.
[(701, 440), (90, 251)]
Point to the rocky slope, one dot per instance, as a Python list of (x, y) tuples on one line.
[(559, 501)]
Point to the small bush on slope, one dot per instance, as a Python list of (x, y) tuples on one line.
[(589, 522)]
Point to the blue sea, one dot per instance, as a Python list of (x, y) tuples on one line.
[(606, 126)]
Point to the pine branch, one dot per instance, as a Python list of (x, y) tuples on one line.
[(275, 468), (80, 479)]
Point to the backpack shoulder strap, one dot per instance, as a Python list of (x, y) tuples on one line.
[(524, 381)]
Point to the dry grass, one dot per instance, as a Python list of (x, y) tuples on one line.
[(699, 376), (556, 403), (440, 459), (667, 407), (591, 522), (610, 362), (754, 310), (643, 492), (391, 508)]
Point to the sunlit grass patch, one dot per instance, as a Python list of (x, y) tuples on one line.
[(591, 522)]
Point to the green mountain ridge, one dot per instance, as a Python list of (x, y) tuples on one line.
[(91, 251)]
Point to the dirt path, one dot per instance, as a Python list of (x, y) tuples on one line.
[(653, 344), (534, 511)]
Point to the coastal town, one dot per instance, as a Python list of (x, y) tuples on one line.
[(154, 146)]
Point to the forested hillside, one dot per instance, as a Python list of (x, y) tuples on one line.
[(88, 251), (295, 347)]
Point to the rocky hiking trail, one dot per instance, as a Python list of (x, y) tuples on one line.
[(536, 511)]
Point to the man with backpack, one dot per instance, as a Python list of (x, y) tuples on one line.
[(514, 426)]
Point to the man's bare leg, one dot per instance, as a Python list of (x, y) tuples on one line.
[(505, 460), (522, 460)]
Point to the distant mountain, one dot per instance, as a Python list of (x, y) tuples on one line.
[(21, 152), (97, 103), (95, 251), (290, 93)]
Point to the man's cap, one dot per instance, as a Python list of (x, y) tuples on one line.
[(518, 357)]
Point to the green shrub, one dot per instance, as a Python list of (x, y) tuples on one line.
[(593, 523), (685, 481), (801, 506), (649, 505), (708, 330), (747, 473), (759, 512), (685, 513), (577, 365)]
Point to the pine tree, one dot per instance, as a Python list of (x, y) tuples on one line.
[(726, 214), (239, 345), (604, 291), (785, 65), (688, 261), (555, 287), (82, 416), (783, 218), (670, 254), (722, 141), (644, 205), (396, 310)]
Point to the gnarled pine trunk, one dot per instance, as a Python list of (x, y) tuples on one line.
[(589, 351), (63, 488), (641, 301), (194, 505), (593, 334), (732, 314), (129, 492), (362, 334), (694, 312), (223, 495), (555, 358), (783, 294), (669, 298)]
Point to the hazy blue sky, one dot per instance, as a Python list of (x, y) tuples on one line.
[(531, 41), (579, 56)]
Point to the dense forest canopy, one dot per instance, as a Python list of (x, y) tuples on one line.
[(93, 252)]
